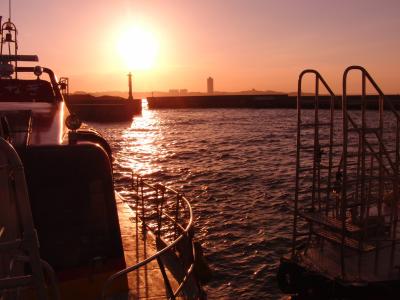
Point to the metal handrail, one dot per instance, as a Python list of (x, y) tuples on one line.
[(184, 232), (318, 79), (383, 153)]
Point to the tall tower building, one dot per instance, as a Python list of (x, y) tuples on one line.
[(210, 85)]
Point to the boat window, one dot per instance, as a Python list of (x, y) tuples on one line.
[(17, 90)]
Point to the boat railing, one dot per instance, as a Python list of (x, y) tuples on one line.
[(168, 215)]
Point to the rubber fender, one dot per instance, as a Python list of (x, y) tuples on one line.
[(73, 204), (95, 137)]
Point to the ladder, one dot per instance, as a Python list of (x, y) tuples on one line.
[(371, 140), (347, 170), (314, 160)]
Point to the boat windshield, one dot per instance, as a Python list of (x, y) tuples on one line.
[(17, 90)]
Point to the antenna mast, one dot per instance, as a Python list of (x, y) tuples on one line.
[(8, 33)]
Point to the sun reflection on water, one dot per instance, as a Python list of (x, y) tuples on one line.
[(140, 142)]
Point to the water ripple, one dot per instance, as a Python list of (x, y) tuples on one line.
[(237, 167)]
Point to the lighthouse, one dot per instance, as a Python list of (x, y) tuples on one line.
[(130, 96)]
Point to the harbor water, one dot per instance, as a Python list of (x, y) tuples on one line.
[(237, 168)]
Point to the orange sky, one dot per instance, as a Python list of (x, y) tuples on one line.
[(261, 44)]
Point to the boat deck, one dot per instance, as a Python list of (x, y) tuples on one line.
[(146, 282), (359, 268)]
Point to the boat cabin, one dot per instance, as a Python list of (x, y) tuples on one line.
[(69, 178)]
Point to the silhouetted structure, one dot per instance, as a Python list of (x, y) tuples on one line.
[(222, 101), (104, 108), (130, 97), (210, 85), (261, 101)]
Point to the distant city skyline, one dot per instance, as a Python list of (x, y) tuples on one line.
[(260, 44)]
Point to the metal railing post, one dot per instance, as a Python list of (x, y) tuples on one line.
[(181, 232)]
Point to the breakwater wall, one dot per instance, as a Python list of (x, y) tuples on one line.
[(104, 108), (260, 101)]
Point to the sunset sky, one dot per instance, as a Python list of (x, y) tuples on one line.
[(243, 44)]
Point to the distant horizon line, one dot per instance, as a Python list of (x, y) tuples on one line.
[(179, 93), (183, 92)]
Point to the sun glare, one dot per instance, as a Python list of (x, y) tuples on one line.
[(137, 49)]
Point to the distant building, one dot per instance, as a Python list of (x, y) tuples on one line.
[(174, 91), (183, 91), (210, 85)]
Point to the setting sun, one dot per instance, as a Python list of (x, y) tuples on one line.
[(137, 48)]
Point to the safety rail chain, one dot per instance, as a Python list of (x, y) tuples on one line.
[(173, 212)]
